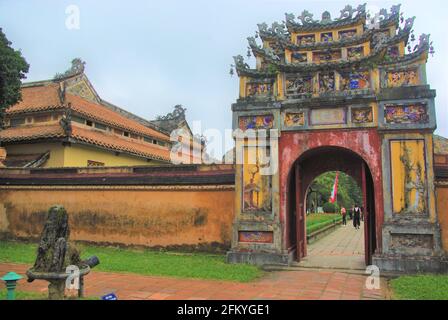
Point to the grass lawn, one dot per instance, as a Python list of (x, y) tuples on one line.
[(316, 221), (145, 262), (421, 287), (22, 295)]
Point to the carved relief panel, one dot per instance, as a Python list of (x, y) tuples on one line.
[(256, 122), (410, 113), (408, 175), (257, 183)]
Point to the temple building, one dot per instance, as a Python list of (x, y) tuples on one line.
[(63, 122), (346, 94)]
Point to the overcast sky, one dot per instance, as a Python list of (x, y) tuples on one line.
[(147, 56)]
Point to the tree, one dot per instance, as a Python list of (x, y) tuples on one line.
[(13, 68), (349, 192)]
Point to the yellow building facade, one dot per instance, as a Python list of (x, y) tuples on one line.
[(64, 123)]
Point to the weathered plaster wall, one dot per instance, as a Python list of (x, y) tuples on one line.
[(125, 215), (442, 212), (365, 142), (78, 155)]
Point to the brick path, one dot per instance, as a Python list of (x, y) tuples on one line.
[(342, 249), (296, 285)]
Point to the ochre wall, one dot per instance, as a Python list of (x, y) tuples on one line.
[(125, 215), (442, 212), (77, 156)]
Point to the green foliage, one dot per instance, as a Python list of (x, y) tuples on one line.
[(316, 221), (421, 287), (349, 192), (145, 262), (271, 68), (13, 68), (329, 207), (24, 295)]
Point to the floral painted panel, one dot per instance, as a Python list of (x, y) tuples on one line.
[(355, 80), (403, 78), (345, 34), (326, 37), (299, 57), (355, 52), (294, 119), (326, 56), (298, 85), (306, 39), (256, 122), (326, 82), (258, 89), (256, 236), (406, 113), (362, 115)]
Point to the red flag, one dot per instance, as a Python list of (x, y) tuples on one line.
[(334, 192)]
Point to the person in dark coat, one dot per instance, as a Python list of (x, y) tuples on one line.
[(357, 217)]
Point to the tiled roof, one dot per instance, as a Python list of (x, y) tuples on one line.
[(100, 113), (46, 97), (32, 132), (111, 141), (440, 145), (38, 98)]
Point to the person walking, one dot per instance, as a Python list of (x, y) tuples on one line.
[(344, 216), (356, 217)]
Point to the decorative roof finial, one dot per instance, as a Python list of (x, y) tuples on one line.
[(326, 17), (77, 67), (289, 18), (306, 18)]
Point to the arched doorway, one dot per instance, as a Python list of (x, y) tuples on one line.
[(310, 165)]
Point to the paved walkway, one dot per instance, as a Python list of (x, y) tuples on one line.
[(342, 249), (287, 285)]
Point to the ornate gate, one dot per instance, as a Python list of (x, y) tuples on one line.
[(349, 87)]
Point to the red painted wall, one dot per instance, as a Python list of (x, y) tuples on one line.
[(364, 142)]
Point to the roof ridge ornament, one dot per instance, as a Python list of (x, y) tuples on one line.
[(348, 12), (306, 18), (77, 68), (239, 62), (289, 18), (326, 17), (276, 29), (252, 42)]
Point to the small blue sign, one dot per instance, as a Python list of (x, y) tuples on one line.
[(110, 296)]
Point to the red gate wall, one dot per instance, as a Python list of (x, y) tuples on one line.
[(364, 142)]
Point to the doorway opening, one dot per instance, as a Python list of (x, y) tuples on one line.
[(346, 249)]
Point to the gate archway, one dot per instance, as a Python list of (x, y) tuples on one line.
[(305, 169)]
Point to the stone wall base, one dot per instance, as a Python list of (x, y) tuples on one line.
[(259, 258), (411, 264)]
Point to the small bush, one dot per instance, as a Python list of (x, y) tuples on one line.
[(330, 208)]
